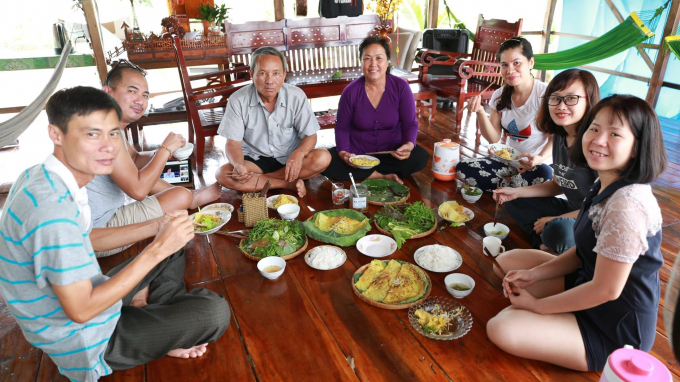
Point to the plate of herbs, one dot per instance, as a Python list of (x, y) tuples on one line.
[(274, 237), (405, 221)]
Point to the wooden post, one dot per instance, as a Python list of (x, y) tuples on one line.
[(620, 18), (659, 71), (432, 13), (278, 10), (89, 8), (547, 26)]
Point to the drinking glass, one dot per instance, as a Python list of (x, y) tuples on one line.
[(338, 193)]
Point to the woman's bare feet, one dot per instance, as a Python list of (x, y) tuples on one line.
[(140, 299), (206, 195), (193, 352)]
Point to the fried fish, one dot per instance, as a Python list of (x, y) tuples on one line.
[(381, 285), (370, 274)]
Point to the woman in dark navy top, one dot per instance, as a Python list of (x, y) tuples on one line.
[(547, 219), (575, 309)]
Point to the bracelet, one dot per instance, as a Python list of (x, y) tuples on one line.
[(166, 147)]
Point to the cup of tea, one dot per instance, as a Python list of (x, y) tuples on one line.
[(271, 267), (493, 245)]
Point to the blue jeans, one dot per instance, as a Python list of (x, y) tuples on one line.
[(558, 234), (487, 173)]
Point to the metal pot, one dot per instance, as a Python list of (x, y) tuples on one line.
[(445, 158)]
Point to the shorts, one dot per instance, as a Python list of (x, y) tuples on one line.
[(137, 212), (266, 164)]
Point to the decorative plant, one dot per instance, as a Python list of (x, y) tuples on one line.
[(214, 15), (384, 8)]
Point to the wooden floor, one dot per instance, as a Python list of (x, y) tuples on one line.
[(309, 326)]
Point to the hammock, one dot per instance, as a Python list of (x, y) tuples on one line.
[(634, 30), (11, 130), (673, 43)]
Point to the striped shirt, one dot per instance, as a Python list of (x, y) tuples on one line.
[(44, 241)]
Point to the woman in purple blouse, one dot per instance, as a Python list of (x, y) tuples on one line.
[(377, 112)]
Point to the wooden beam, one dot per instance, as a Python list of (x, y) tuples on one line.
[(616, 73), (547, 26), (432, 13), (620, 18), (659, 71), (92, 19), (278, 10)]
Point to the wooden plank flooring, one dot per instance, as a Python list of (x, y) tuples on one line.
[(309, 326)]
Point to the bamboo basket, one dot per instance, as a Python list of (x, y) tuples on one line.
[(254, 208)]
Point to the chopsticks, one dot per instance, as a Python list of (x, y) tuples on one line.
[(495, 262), (381, 152), (495, 215), (236, 173), (168, 216), (467, 119)]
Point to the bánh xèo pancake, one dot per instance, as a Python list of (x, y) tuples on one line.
[(347, 226), (381, 285), (326, 223), (407, 285), (370, 274)]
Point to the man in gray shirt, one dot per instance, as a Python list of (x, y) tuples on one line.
[(270, 129)]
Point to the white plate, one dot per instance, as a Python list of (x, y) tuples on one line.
[(468, 212), (513, 152), (271, 200), (376, 245), (224, 215), (416, 257), (219, 206), (367, 157), (337, 249)]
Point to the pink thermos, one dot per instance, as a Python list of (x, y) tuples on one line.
[(631, 365)]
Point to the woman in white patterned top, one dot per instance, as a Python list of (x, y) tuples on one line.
[(603, 293)]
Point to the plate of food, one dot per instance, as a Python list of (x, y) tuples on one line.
[(364, 162), (455, 213), (505, 154), (440, 318), (383, 191), (210, 221), (219, 207), (341, 227), (276, 201), (376, 245), (408, 221), (325, 257), (391, 284), (274, 237), (438, 258)]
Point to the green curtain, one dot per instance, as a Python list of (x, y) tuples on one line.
[(635, 29)]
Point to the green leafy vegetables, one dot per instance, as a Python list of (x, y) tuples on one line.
[(415, 219), (274, 237)]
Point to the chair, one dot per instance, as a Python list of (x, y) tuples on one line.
[(471, 73), (203, 115)]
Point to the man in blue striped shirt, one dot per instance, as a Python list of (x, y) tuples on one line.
[(88, 323)]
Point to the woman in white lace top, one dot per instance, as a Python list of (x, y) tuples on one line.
[(603, 293)]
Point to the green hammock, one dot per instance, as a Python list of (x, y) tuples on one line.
[(673, 43), (635, 29)]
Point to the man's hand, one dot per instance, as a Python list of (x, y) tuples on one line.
[(294, 165), (241, 173), (404, 151), (175, 234), (174, 141), (344, 155)]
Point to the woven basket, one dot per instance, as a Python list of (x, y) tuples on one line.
[(254, 208)]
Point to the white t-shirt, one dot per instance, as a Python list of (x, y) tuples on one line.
[(521, 121)]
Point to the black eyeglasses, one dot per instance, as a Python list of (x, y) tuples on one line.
[(123, 64), (569, 100)]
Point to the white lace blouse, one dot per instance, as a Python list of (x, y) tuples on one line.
[(623, 222)]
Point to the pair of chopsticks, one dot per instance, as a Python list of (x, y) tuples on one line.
[(381, 152), (168, 216), (467, 119), (236, 173)]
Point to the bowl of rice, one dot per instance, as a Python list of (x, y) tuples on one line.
[(325, 257), (438, 258)]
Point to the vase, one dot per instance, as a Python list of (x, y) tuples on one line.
[(383, 31)]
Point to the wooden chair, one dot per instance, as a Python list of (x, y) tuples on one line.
[(472, 72), (204, 119)]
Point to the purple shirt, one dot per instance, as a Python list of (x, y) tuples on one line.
[(361, 128)]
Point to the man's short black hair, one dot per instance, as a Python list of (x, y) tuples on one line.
[(79, 100), (650, 154)]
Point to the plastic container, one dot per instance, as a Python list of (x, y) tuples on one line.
[(631, 365), (445, 157)]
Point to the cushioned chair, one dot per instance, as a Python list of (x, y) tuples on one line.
[(408, 41)]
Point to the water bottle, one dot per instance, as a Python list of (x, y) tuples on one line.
[(631, 365)]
